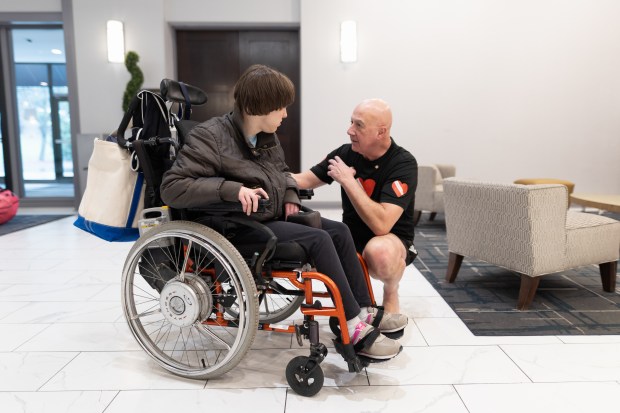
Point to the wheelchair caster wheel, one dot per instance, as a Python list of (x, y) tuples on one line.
[(305, 376)]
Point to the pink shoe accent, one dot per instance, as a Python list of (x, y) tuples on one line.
[(358, 330)]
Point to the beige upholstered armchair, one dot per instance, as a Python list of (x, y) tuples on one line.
[(429, 192), (526, 229)]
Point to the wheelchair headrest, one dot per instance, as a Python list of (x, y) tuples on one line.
[(171, 91)]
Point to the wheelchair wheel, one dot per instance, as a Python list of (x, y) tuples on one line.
[(275, 307), (178, 282), (305, 376)]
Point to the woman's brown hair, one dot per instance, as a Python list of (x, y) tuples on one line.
[(261, 90)]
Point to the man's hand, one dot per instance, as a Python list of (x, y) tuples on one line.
[(249, 198), (290, 209), (340, 171)]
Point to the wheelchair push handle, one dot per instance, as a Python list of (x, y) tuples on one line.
[(120, 132)]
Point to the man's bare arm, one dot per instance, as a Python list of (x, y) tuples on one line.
[(307, 180), (380, 217)]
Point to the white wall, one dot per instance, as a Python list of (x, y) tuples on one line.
[(502, 89), (101, 84), (232, 11)]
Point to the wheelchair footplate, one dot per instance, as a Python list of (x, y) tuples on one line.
[(347, 351)]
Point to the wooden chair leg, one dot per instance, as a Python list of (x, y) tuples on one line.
[(416, 216), (432, 217), (454, 265), (608, 275), (527, 291)]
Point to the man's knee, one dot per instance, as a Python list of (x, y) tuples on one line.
[(378, 251), (384, 256), (387, 247)]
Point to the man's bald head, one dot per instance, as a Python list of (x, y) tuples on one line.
[(371, 122), (377, 111)]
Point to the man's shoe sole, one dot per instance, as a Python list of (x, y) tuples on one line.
[(394, 330), (394, 335)]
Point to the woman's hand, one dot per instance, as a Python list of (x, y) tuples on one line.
[(290, 209), (249, 198)]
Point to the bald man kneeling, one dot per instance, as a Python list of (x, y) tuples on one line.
[(378, 180)]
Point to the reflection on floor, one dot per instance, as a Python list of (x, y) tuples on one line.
[(65, 347)]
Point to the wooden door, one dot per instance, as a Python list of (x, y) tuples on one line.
[(213, 60)]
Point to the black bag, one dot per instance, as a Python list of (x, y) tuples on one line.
[(150, 123)]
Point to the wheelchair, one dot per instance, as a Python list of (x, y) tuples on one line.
[(194, 298)]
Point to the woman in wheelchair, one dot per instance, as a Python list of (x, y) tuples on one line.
[(237, 157)]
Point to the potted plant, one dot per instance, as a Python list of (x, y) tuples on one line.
[(137, 78)]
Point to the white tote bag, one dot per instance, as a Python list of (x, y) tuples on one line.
[(114, 195)]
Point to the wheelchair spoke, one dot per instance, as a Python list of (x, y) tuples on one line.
[(205, 346), (185, 260), (147, 313), (275, 306), (201, 258), (266, 303), (148, 297), (203, 330), (161, 330), (151, 269)]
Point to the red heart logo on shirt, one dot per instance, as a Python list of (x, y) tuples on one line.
[(399, 188), (368, 185)]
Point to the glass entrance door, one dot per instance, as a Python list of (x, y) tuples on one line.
[(5, 182), (46, 164)]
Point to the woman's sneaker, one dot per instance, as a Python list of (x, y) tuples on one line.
[(369, 342), (386, 322)]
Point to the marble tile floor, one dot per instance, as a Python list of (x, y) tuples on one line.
[(65, 347)]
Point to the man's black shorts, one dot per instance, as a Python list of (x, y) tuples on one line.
[(412, 252)]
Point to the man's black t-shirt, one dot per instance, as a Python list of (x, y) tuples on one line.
[(392, 179)]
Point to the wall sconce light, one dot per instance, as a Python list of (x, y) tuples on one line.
[(348, 41), (116, 41)]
